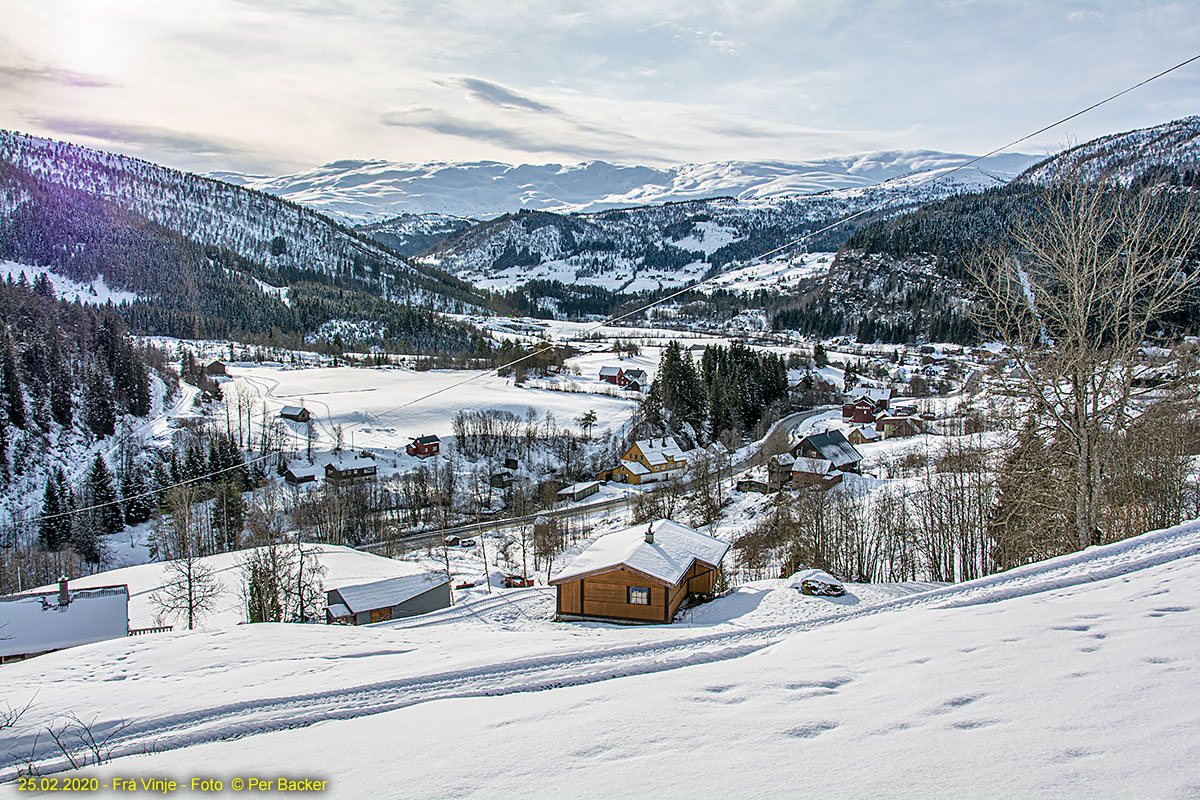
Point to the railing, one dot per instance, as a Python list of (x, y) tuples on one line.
[(158, 629)]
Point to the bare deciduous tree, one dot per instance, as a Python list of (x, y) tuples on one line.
[(1095, 272)]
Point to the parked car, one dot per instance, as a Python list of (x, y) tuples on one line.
[(467, 543), (818, 583)]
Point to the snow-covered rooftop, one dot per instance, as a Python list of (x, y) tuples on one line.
[(389, 592), (870, 393), (35, 623), (667, 558), (358, 462), (659, 451), (812, 466)]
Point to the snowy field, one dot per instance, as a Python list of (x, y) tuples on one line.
[(385, 408), (772, 276), (1072, 678)]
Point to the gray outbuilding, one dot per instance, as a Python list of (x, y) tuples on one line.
[(391, 598)]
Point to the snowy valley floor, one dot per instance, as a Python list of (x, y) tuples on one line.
[(1073, 678)]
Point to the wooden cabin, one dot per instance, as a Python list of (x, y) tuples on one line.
[(392, 598), (350, 471), (831, 445), (295, 413), (640, 574), (215, 368)]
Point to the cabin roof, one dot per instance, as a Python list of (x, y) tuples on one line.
[(35, 622), (426, 439), (834, 446), (813, 466), (389, 592), (668, 558), (607, 371), (291, 411), (358, 462)]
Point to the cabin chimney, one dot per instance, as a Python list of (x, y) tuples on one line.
[(650, 534), (64, 597)]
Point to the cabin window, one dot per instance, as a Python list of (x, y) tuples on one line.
[(639, 596)]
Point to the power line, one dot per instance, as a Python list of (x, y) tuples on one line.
[(690, 287)]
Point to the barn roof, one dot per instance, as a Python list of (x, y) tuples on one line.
[(833, 446), (35, 623), (870, 393), (668, 558), (427, 439), (607, 371), (389, 592)]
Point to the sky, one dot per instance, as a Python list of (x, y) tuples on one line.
[(275, 86)]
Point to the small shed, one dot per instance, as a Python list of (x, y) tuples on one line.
[(779, 471), (42, 622), (864, 434), (350, 471), (295, 413), (215, 368), (898, 427), (640, 574), (392, 598), (424, 446), (578, 491), (298, 475)]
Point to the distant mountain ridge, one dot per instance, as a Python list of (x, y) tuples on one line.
[(373, 190)]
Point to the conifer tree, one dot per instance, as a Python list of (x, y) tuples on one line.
[(12, 395), (61, 404), (50, 526), (98, 407), (100, 494)]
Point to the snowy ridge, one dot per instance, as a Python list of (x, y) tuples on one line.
[(369, 191), (1122, 157), (249, 223)]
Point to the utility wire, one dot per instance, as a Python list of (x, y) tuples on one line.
[(690, 287)]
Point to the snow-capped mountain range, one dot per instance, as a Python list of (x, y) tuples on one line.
[(372, 190)]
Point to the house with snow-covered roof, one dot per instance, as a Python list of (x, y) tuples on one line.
[(648, 461), (42, 622), (639, 574), (349, 471), (831, 445), (391, 598)]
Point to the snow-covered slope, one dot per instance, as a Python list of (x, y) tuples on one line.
[(1123, 157), (1074, 677), (373, 190)]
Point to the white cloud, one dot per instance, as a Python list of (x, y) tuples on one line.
[(297, 82)]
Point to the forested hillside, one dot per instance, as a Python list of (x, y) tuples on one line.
[(216, 261), (69, 375)]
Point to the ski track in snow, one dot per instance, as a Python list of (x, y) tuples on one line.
[(674, 650)]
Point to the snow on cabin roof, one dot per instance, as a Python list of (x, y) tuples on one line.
[(813, 466), (300, 470), (668, 558), (337, 611), (635, 374), (657, 451), (606, 371), (870, 393), (389, 592), (426, 439), (35, 623), (783, 460), (577, 487), (358, 462), (291, 411), (833, 446)]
